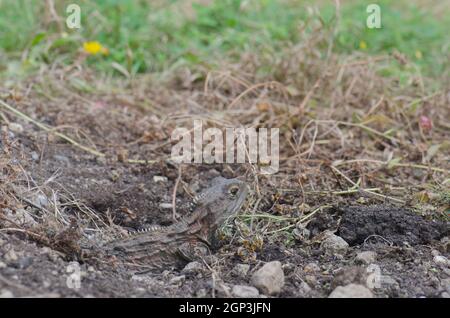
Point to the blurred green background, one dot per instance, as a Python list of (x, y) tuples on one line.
[(151, 36)]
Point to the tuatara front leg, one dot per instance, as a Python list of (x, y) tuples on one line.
[(191, 251)]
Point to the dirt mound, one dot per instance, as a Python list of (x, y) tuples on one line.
[(394, 225)]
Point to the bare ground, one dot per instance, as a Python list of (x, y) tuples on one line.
[(357, 158)]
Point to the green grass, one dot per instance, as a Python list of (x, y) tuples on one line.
[(151, 36)]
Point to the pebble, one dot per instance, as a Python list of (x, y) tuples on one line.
[(301, 233), (63, 159), (311, 268), (4, 293), (334, 244), (243, 291), (51, 254), (40, 200), (351, 291), (435, 253), (270, 278), (311, 280), (177, 280), (221, 288), (101, 160), (144, 279), (11, 256), (445, 241), (2, 265), (34, 156), (201, 293), (25, 262), (446, 284), (15, 127), (386, 280), (241, 270), (304, 288), (366, 257), (165, 205), (20, 216), (192, 267), (159, 179), (440, 260), (350, 275)]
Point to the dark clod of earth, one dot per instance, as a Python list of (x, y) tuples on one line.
[(391, 224)]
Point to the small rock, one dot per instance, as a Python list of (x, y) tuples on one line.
[(445, 295), (49, 295), (194, 186), (15, 127), (25, 262), (62, 159), (311, 280), (165, 205), (301, 233), (366, 257), (2, 265), (446, 284), (150, 281), (311, 268), (243, 291), (385, 280), (11, 256), (201, 293), (177, 280), (435, 253), (304, 288), (445, 243), (40, 200), (351, 291), (334, 244), (159, 179), (288, 267), (269, 278), (4, 293), (101, 160), (139, 290), (350, 275), (192, 267), (51, 254), (222, 289), (20, 216), (241, 270), (34, 156), (440, 260)]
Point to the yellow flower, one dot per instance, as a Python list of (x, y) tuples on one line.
[(94, 47), (362, 45), (419, 55)]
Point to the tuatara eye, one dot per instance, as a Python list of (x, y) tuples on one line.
[(233, 190)]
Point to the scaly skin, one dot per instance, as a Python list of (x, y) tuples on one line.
[(179, 243)]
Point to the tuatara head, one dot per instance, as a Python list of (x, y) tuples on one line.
[(224, 198)]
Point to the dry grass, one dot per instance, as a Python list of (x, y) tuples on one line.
[(347, 134)]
